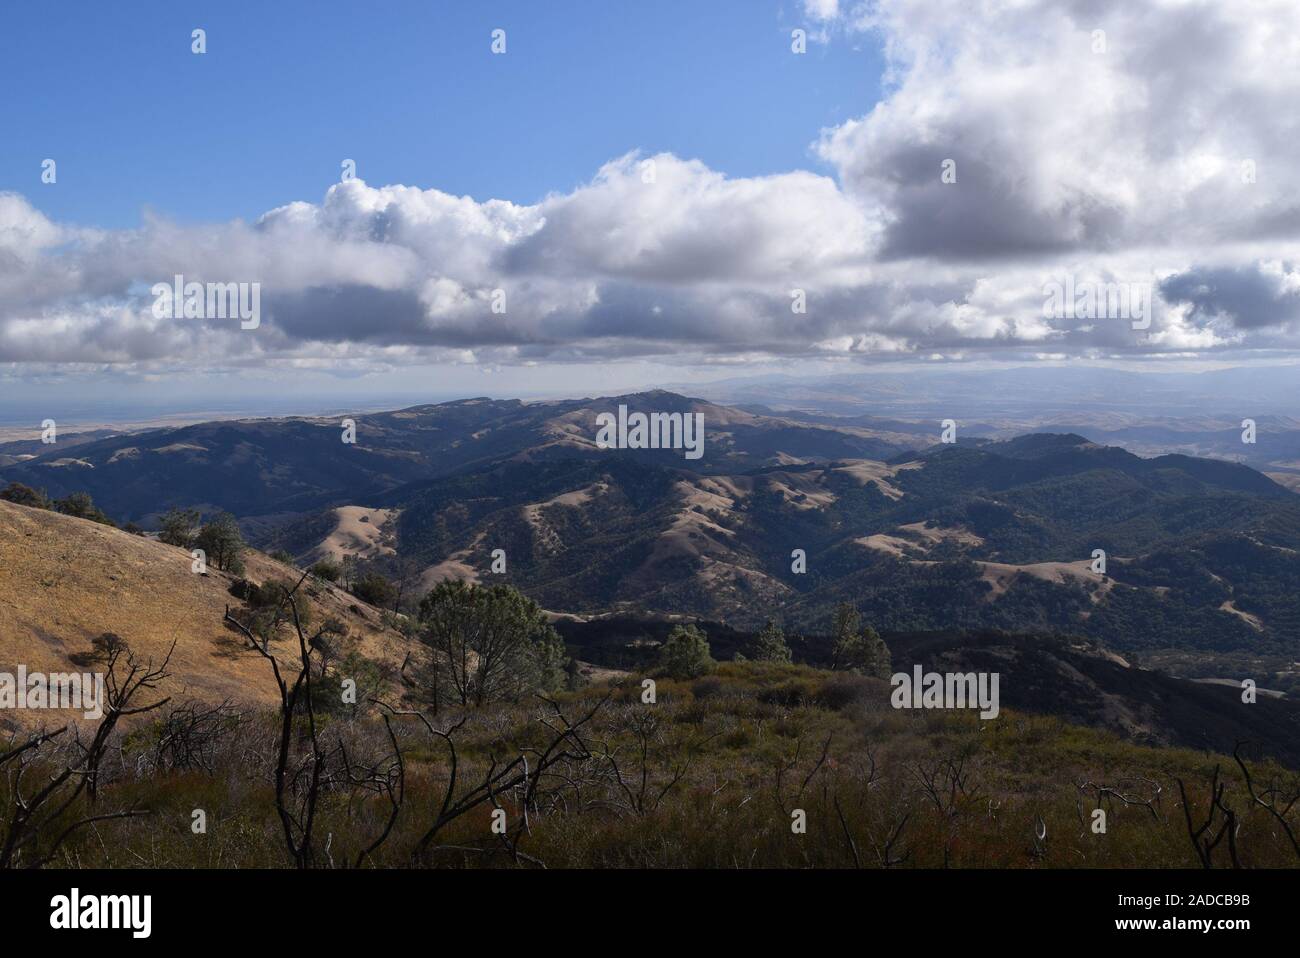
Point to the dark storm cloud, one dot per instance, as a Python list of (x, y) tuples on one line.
[(1249, 297)]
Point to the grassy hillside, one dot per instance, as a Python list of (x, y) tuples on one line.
[(1202, 554), (64, 582)]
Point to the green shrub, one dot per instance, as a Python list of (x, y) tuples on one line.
[(858, 649), (488, 643), (841, 691), (25, 496), (375, 589), (792, 693), (327, 569)]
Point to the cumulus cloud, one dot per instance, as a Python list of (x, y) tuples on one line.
[(1017, 146), (1090, 125)]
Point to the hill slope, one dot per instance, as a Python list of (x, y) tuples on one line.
[(64, 582), (1201, 554)]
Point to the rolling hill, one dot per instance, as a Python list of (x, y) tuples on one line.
[(1201, 553), (613, 538), (64, 582), (780, 518), (270, 467)]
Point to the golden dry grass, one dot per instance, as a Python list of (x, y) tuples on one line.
[(66, 581), (358, 531)]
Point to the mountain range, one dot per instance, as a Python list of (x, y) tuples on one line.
[(783, 517)]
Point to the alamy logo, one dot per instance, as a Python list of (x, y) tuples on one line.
[(657, 430), (182, 300), (1092, 300), (69, 912), (57, 690), (948, 690)]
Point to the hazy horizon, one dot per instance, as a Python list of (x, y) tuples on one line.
[(1027, 394)]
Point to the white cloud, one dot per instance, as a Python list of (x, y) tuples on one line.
[(24, 232), (1065, 138), (1114, 163), (821, 9)]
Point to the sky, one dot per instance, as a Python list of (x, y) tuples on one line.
[(410, 90), (631, 194)]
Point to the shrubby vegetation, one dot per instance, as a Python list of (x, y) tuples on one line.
[(404, 767), (79, 505), (178, 527), (327, 569), (222, 543), (709, 777), (374, 588), (25, 496)]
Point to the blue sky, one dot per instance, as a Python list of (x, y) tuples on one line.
[(410, 90), (801, 214)]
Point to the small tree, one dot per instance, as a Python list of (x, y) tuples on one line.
[(349, 569), (108, 644), (81, 506), (685, 654), (857, 649), (488, 643), (770, 645), (178, 527), (550, 660), (222, 543), (574, 680), (25, 495), (408, 573)]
